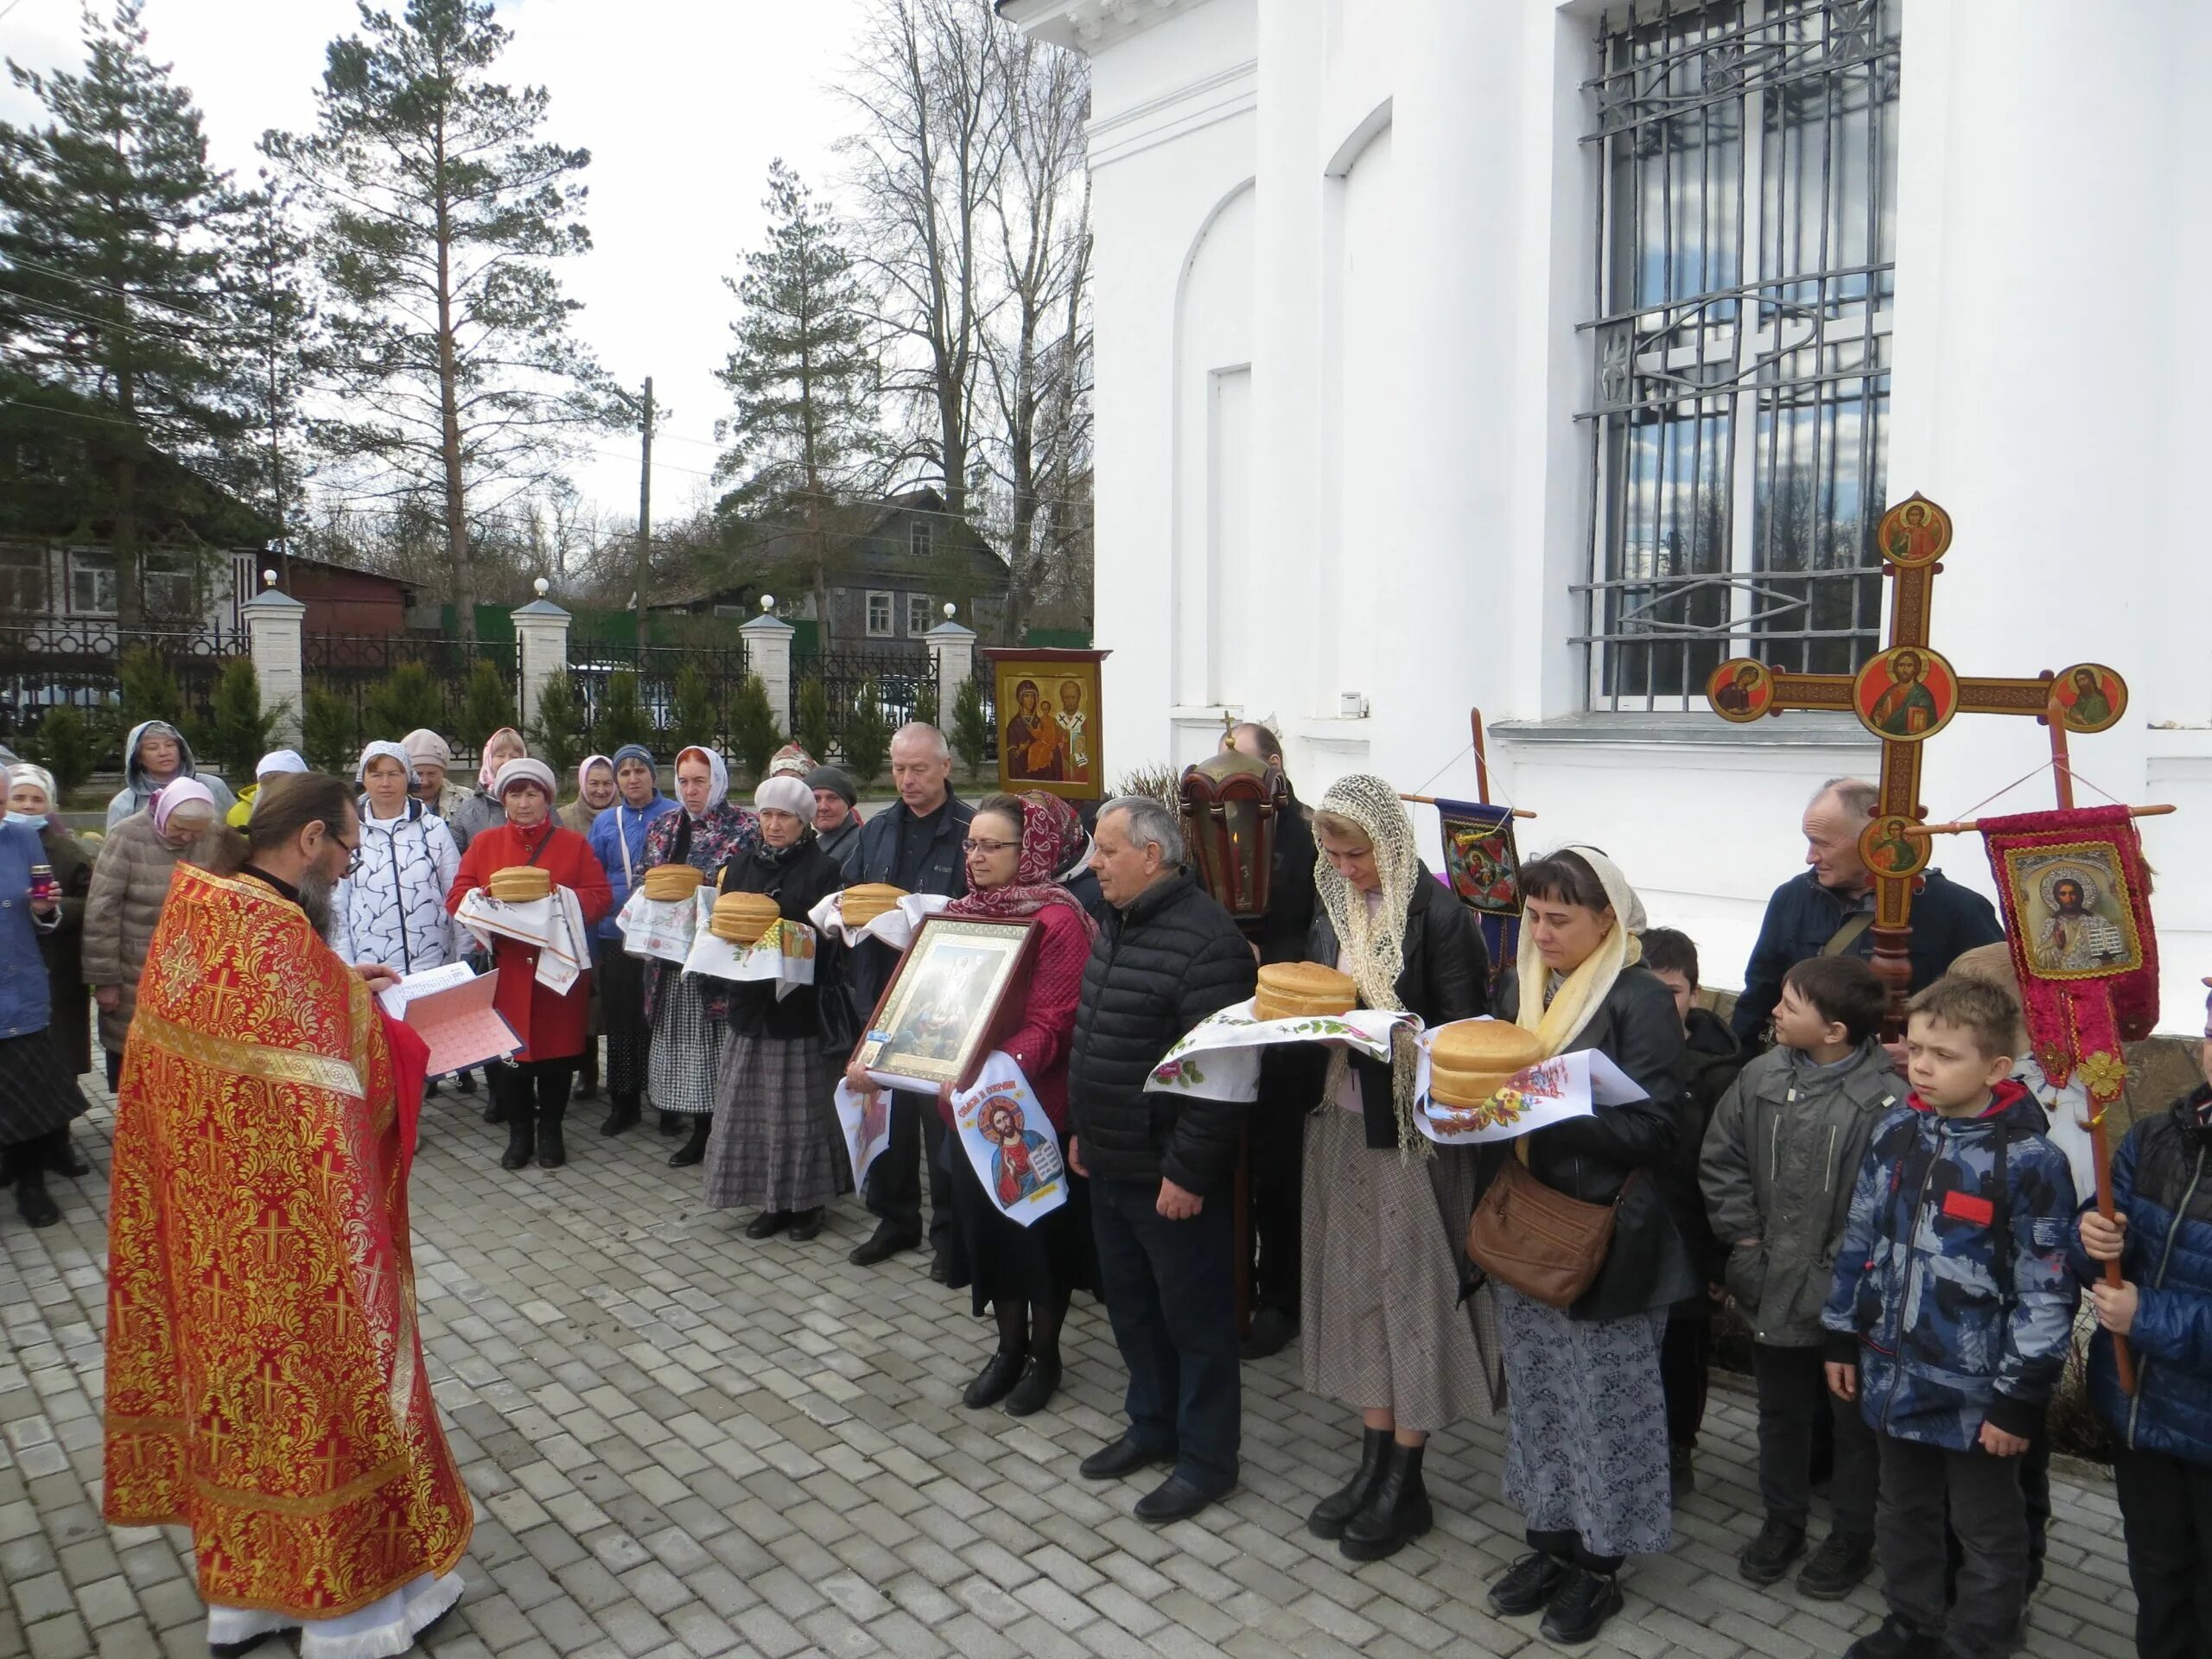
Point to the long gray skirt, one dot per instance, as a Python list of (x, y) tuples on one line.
[(775, 1143), (1380, 1320), (1586, 1445), (687, 1049)]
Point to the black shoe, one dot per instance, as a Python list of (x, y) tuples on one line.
[(1681, 1471), (1529, 1584), (1123, 1457), (1175, 1499), (768, 1224), (1329, 1516), (466, 1083), (995, 1381), (62, 1158), (240, 1650), (882, 1245), (1397, 1512), (1767, 1557), (1580, 1606), (1040, 1380), (1272, 1332), (806, 1224), (623, 1115), (33, 1203), (495, 1109), (1837, 1566), (941, 1268), (693, 1151), (552, 1149), (1898, 1638), (587, 1088), (522, 1143), (671, 1122)]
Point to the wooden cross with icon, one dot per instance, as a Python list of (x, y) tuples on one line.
[(1904, 695)]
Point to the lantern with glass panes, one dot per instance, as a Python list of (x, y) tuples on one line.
[(1233, 808)]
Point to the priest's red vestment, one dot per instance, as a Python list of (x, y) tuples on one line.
[(265, 1384)]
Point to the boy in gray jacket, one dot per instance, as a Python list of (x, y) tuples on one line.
[(1779, 1162)]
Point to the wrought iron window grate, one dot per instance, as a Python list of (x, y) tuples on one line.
[(1739, 339)]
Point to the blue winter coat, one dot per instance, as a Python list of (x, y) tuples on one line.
[(616, 827), (2162, 1182), (26, 1001), (1920, 1303), (1802, 915)]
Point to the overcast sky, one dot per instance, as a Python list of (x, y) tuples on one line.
[(682, 103)]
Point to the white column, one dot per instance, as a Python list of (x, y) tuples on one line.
[(541, 649), (274, 623), (952, 659), (768, 653)]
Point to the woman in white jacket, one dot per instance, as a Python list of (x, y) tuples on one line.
[(392, 908)]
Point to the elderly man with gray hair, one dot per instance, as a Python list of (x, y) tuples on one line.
[(1828, 910), (1161, 1166)]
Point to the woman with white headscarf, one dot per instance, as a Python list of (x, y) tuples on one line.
[(1386, 1330), (1586, 1459), (130, 882), (690, 1016), (392, 908)]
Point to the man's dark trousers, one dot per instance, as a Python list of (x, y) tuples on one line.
[(894, 1180), (2166, 1507), (1170, 1291), (1992, 1524)]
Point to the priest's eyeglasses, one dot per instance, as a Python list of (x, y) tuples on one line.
[(353, 856)]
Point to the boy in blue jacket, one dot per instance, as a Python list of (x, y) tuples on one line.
[(2161, 1235), (1949, 1322)]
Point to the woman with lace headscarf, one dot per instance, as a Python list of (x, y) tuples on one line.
[(1586, 1451), (690, 1016), (1385, 1330)]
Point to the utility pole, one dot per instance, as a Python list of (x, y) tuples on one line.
[(645, 520)]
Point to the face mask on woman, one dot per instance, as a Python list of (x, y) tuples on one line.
[(36, 820)]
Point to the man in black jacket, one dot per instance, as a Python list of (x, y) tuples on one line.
[(915, 845), (1829, 910), (1161, 1166), (1290, 1080)]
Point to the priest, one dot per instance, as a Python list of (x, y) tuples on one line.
[(265, 1382)]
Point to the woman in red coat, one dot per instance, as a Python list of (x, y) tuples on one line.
[(535, 1084), (1025, 1275)]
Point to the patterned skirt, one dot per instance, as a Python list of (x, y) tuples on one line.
[(775, 1143), (37, 1094), (1585, 1446), (1381, 1320), (619, 978), (687, 1050)]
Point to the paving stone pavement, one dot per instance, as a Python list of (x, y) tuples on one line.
[(685, 1445)]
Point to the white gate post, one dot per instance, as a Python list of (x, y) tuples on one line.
[(541, 649), (274, 623), (768, 653), (952, 658)]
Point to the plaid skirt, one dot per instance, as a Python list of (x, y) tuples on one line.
[(687, 1049), (37, 1094), (775, 1143)]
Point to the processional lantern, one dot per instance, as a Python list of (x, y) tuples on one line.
[(1233, 807)]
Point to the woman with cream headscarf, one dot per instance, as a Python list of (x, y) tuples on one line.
[(1586, 1457), (1385, 1331), (690, 1016)]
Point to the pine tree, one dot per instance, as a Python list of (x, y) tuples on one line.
[(867, 736), (329, 734), (489, 702), (277, 332), (240, 733), (753, 731), (621, 719), (111, 224), (693, 716), (443, 212), (971, 728), (556, 736), (805, 437), (811, 724), (408, 699)]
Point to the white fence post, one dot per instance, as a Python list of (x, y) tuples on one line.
[(541, 650), (768, 653), (274, 624), (952, 659)]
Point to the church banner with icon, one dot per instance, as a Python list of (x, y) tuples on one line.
[(1010, 1142), (2075, 897), (1482, 868)]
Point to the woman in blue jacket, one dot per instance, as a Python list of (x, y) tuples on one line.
[(618, 839), (38, 1097), (2161, 1235)]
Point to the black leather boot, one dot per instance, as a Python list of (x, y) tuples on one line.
[(623, 1115), (694, 1151), (552, 1150), (62, 1158), (495, 1104), (1397, 1512), (1331, 1514), (522, 1140)]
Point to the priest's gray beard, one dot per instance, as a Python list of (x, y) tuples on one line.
[(315, 889)]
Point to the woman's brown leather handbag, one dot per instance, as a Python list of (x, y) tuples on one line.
[(1543, 1243)]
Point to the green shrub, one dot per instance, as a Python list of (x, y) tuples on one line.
[(753, 725), (329, 732), (408, 701), (240, 734), (811, 725), (68, 745), (489, 705), (556, 736), (867, 736), (693, 715), (971, 726), (621, 717)]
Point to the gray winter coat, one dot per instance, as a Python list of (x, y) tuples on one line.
[(130, 882), (1780, 1157)]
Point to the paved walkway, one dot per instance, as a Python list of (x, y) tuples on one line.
[(683, 1443)]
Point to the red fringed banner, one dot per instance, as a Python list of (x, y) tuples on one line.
[(2077, 914)]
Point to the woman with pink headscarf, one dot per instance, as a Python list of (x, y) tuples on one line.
[(129, 883), (482, 810)]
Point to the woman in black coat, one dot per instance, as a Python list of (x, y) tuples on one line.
[(1385, 1329), (1586, 1456), (775, 1141)]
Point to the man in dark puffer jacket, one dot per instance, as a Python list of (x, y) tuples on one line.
[(1161, 1166)]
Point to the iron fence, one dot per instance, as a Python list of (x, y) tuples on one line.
[(680, 689), (78, 665), (904, 681), (357, 667)]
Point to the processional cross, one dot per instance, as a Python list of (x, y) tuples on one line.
[(1904, 695)]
